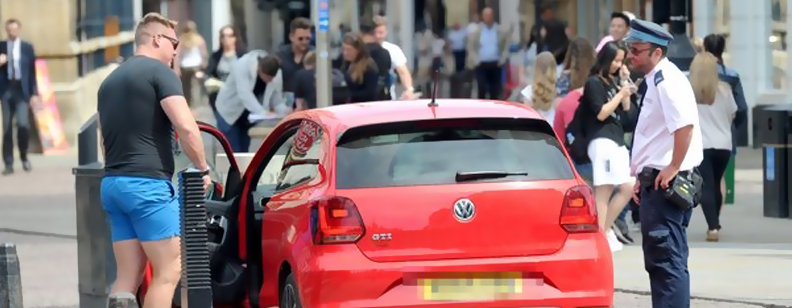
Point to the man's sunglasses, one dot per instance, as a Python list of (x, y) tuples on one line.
[(173, 41), (304, 38)]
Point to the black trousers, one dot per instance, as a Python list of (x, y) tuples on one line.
[(15, 107), (712, 169), (488, 80), (665, 247)]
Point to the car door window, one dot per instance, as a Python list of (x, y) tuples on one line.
[(216, 158), (301, 164)]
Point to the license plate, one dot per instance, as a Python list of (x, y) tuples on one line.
[(471, 287)]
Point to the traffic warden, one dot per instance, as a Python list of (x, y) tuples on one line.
[(666, 150)]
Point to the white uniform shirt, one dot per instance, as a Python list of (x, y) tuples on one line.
[(669, 104), (397, 59)]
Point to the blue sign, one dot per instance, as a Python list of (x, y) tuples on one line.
[(324, 15), (770, 164)]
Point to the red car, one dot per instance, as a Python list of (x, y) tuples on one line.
[(407, 204)]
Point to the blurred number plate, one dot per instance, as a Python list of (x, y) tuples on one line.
[(472, 287)]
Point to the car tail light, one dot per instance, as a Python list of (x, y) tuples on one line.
[(336, 220), (579, 213)]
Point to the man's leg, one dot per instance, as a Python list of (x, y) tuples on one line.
[(23, 129), (496, 82), (663, 227), (130, 259), (156, 221), (481, 82), (8, 137)]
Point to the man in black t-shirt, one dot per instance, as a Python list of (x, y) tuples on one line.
[(380, 55), (305, 84), (140, 104)]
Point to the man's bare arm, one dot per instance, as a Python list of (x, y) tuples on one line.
[(405, 77), (189, 135), (101, 137)]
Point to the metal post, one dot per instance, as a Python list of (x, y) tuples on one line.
[(407, 31), (354, 22), (324, 88), (87, 142), (196, 281), (10, 277)]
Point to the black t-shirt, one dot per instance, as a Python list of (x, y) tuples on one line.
[(382, 59), (288, 66), (596, 94), (305, 87), (138, 135)]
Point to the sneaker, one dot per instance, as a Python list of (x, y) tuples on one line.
[(622, 232), (613, 242), (713, 236)]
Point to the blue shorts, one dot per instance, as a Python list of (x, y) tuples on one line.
[(140, 208)]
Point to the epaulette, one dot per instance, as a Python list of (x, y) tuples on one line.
[(658, 77)]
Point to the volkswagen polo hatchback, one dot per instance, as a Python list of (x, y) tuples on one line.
[(465, 203)]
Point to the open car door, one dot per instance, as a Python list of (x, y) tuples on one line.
[(228, 272)]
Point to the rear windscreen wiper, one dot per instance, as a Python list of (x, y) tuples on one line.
[(485, 175)]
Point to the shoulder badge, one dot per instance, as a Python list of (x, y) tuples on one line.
[(658, 78)]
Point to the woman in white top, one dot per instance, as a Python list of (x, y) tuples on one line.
[(541, 95), (716, 108), (192, 57)]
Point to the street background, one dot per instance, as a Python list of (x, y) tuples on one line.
[(750, 267)]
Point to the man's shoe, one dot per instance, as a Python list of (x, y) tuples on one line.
[(713, 236), (622, 232), (8, 171), (27, 166)]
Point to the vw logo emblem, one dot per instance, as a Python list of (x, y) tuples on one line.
[(464, 210)]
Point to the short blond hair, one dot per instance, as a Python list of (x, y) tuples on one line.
[(380, 21), (310, 58), (151, 18)]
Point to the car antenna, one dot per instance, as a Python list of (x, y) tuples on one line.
[(436, 80)]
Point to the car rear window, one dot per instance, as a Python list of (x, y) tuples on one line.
[(433, 152)]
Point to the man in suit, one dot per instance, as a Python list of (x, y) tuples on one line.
[(18, 91), (555, 37), (487, 51)]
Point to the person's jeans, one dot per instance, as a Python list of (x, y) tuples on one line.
[(237, 134), (712, 169), (586, 171), (488, 80), (459, 60)]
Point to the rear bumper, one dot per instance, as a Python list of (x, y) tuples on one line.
[(578, 275)]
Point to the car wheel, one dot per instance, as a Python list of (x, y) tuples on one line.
[(290, 297)]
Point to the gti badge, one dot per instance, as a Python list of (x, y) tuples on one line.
[(381, 237), (464, 210)]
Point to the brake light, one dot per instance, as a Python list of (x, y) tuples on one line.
[(579, 213), (336, 220)]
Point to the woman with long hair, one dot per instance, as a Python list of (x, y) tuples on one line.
[(716, 45), (192, 57), (716, 108), (606, 102), (361, 73), (541, 95), (577, 64), (220, 63)]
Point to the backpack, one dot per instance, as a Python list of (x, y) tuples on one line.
[(340, 89), (577, 142)]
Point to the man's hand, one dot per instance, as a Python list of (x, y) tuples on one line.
[(637, 192), (35, 101), (666, 175), (407, 95), (3, 59), (207, 182)]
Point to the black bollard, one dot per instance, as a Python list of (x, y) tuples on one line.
[(196, 281), (122, 300), (10, 277)]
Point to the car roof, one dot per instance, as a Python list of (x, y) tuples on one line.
[(363, 114)]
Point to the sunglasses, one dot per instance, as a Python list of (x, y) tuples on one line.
[(304, 38), (173, 41)]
